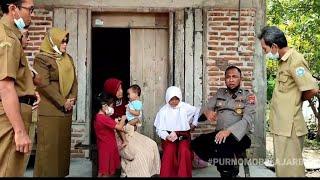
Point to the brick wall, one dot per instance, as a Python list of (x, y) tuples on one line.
[(40, 24), (226, 47)]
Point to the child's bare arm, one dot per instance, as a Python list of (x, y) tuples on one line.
[(120, 125), (134, 112)]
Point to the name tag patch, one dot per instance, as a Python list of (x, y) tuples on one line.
[(300, 71)]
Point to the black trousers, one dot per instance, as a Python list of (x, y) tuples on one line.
[(221, 155)]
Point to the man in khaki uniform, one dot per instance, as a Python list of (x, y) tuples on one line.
[(233, 108), (294, 84), (16, 88)]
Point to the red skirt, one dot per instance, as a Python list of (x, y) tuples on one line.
[(177, 157)]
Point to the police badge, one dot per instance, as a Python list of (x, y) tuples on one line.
[(239, 111)]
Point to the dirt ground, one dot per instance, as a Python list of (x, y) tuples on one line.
[(307, 154)]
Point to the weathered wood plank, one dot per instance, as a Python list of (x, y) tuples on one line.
[(89, 82), (130, 20), (72, 28), (149, 91), (161, 71), (59, 18), (136, 56), (171, 51), (198, 61), (82, 70), (188, 54), (136, 64), (205, 93), (259, 73), (179, 50)]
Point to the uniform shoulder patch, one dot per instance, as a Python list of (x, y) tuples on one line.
[(251, 98), (300, 71)]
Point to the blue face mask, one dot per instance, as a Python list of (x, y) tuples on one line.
[(19, 23), (274, 57)]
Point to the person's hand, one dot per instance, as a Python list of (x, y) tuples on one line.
[(211, 115), (172, 136), (222, 136), (36, 104), (73, 101), (23, 142), (69, 104)]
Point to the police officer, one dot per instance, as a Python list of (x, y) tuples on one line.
[(17, 92), (294, 84), (233, 108)]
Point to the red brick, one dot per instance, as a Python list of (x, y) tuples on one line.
[(216, 18), (36, 28), (215, 24), (228, 43), (213, 33), (212, 53), (38, 18), (228, 33), (231, 58), (217, 48), (230, 23), (216, 38), (213, 43), (231, 48), (227, 53), (219, 28)]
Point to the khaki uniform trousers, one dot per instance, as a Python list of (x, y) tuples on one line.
[(12, 162), (288, 155)]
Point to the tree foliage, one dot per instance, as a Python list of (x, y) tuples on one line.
[(300, 21)]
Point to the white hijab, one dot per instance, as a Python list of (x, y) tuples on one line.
[(177, 118)]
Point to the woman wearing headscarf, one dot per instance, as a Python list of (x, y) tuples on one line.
[(58, 90), (140, 158), (173, 123)]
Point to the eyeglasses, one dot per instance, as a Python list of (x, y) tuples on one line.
[(31, 9)]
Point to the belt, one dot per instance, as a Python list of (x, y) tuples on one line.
[(27, 100), (182, 135)]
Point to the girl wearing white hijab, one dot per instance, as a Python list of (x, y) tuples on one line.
[(173, 123)]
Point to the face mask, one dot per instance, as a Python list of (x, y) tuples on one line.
[(271, 56), (110, 111), (19, 22)]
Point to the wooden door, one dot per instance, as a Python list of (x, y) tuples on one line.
[(149, 69)]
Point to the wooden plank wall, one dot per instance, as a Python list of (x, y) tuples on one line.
[(179, 49), (188, 55), (149, 58), (75, 21)]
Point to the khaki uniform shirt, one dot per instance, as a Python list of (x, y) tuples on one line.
[(233, 113), (13, 63), (293, 78), (52, 100)]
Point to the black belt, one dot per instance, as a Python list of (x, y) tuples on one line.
[(27, 100)]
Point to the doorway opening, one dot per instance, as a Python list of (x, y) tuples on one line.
[(110, 56)]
